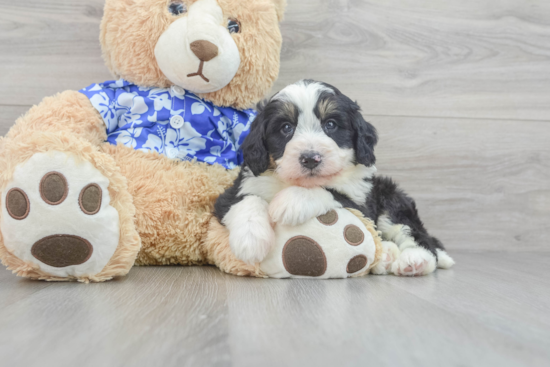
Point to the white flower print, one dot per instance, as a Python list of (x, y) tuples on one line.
[(181, 143), (106, 108), (118, 84), (130, 107), (186, 140), (231, 131), (161, 99), (197, 108), (129, 137), (154, 143), (139, 118)]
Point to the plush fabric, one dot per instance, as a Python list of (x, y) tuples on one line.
[(326, 247), (118, 206), (172, 222), (20, 146), (65, 218), (128, 44)]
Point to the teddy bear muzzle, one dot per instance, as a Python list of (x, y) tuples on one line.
[(197, 51)]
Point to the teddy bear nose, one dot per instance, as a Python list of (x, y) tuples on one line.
[(204, 50)]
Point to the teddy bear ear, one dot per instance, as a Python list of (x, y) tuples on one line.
[(280, 6)]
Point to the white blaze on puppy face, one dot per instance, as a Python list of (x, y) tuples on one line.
[(309, 137), (204, 21)]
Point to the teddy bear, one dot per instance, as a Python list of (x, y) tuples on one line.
[(126, 172)]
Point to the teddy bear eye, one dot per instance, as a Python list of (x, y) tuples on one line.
[(177, 7), (234, 26)]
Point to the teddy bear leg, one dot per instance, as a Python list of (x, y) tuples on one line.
[(218, 252), (66, 211)]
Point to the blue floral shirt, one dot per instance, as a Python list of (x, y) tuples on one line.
[(171, 121)]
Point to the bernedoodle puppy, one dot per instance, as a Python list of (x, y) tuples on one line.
[(310, 151)]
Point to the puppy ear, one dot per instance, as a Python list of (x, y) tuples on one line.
[(254, 149), (280, 6), (365, 139)]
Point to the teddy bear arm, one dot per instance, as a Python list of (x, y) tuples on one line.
[(69, 111)]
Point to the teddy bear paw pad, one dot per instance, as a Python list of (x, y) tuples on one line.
[(57, 215), (334, 245), (304, 256)]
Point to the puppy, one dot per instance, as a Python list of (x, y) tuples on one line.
[(310, 151)]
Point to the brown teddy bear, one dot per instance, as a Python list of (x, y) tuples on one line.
[(126, 172)]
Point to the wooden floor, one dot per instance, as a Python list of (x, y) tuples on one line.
[(460, 93)]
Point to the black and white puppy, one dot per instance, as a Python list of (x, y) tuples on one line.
[(310, 151)]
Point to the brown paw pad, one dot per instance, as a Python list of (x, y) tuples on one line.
[(62, 250), (353, 235), (303, 256), (329, 218), (17, 204), (357, 263), (54, 188), (90, 199)]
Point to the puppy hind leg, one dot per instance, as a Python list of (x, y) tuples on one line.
[(416, 256)]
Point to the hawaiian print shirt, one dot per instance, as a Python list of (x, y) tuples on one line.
[(171, 121)]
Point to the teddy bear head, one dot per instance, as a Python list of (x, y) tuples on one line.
[(226, 51)]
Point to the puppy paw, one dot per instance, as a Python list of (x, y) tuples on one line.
[(251, 244), (295, 205), (414, 261), (250, 233), (390, 253)]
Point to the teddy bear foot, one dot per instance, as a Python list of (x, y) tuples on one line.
[(337, 244), (57, 217)]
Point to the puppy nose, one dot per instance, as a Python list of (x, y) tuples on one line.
[(204, 50), (310, 160)]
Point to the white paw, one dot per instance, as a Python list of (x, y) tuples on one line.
[(414, 261), (250, 233), (295, 205), (390, 253), (56, 213), (444, 261)]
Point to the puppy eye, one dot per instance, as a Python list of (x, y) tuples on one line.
[(177, 7), (287, 129), (331, 125), (233, 26)]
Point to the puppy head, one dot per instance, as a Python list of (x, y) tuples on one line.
[(309, 133), (227, 51)]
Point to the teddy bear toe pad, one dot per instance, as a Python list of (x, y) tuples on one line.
[(334, 245), (57, 215), (303, 256)]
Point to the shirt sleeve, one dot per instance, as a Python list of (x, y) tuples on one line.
[(103, 100)]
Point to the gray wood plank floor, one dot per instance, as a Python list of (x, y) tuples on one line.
[(460, 93), (490, 310)]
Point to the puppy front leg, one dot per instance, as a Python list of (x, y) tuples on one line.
[(250, 232), (295, 205)]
